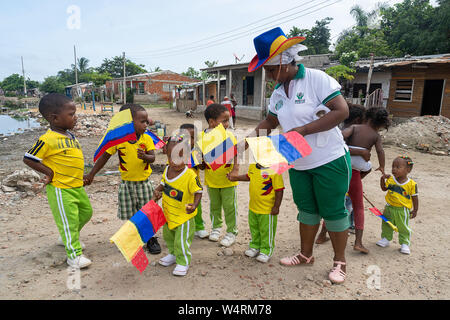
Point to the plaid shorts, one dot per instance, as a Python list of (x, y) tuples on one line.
[(133, 195)]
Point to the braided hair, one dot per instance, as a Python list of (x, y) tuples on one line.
[(379, 117), (408, 160)]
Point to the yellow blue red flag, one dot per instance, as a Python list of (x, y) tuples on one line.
[(218, 147)]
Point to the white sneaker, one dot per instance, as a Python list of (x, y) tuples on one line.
[(251, 252), (79, 262), (228, 240), (215, 235), (263, 258), (383, 243), (201, 234), (405, 249), (180, 270), (61, 243), (168, 260)]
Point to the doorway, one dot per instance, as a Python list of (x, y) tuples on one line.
[(248, 90), (432, 97)]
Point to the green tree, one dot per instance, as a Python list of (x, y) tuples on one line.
[(12, 83), (317, 38), (414, 27), (114, 67), (53, 84), (191, 72), (98, 79), (341, 73)]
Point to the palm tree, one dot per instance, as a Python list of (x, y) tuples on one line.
[(83, 64), (367, 19)]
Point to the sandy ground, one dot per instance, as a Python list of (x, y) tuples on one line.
[(32, 266)]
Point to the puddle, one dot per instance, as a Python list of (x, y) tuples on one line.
[(10, 125)]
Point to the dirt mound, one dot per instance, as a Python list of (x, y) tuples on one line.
[(429, 134)]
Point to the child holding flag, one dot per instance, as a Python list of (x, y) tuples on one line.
[(135, 157), (402, 203), (266, 194), (181, 194), (196, 164), (222, 191), (57, 154)]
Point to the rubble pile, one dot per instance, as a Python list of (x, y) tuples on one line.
[(430, 134)]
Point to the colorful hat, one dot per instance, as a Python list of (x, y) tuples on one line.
[(269, 44)]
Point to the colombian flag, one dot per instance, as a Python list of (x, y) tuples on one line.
[(194, 159), (276, 152), (138, 230), (218, 147), (120, 129), (156, 140)]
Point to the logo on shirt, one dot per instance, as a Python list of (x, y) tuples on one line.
[(300, 98), (279, 105)]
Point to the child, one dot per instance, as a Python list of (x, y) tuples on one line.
[(199, 224), (57, 154), (135, 157), (363, 137), (356, 116), (266, 194), (401, 197), (181, 191), (222, 192)]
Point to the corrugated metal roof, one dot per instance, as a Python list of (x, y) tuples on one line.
[(445, 59)]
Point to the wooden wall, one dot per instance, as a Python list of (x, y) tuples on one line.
[(413, 108)]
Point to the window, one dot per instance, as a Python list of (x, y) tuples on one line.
[(141, 88), (168, 87), (404, 90)]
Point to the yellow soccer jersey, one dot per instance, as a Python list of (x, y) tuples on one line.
[(262, 189), (178, 192), (130, 166), (400, 195), (61, 154), (218, 178)]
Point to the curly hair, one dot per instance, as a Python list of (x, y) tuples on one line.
[(378, 116), (355, 111)]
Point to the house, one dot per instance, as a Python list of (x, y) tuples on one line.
[(420, 86), (78, 90), (153, 87)]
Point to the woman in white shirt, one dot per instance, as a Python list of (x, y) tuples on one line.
[(309, 101)]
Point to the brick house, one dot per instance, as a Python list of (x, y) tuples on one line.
[(153, 87)]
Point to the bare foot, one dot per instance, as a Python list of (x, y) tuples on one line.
[(322, 238), (360, 248)]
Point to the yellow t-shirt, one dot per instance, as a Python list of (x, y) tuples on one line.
[(218, 178), (61, 154), (178, 192), (130, 166), (400, 195), (262, 189)]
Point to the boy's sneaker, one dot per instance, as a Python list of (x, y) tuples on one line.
[(79, 262), (405, 249), (61, 243), (263, 258), (168, 260), (251, 252), (153, 246), (180, 270), (201, 234), (228, 240), (215, 235), (383, 243)]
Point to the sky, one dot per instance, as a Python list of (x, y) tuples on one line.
[(172, 35)]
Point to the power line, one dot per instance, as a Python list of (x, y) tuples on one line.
[(236, 36), (223, 33)]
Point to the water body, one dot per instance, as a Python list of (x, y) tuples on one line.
[(10, 125)]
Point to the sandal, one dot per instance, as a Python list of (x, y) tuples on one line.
[(336, 274), (295, 260)]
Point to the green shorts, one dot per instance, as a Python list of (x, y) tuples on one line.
[(133, 195), (320, 193)]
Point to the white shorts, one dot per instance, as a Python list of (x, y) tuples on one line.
[(358, 162)]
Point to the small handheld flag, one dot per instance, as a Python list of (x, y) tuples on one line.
[(138, 230), (218, 147), (276, 152), (156, 140), (378, 213), (120, 129)]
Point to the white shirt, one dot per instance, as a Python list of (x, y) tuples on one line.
[(309, 91)]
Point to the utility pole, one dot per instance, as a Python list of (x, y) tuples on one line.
[(369, 77), (24, 80), (76, 71), (124, 81)]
